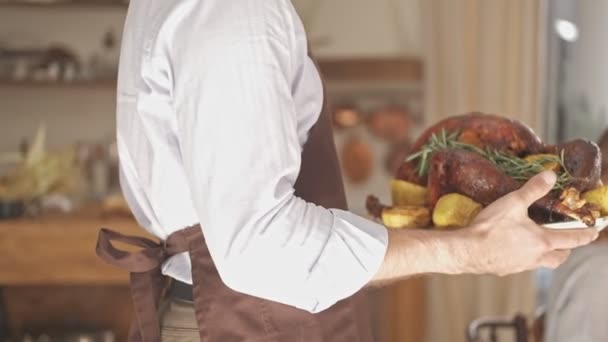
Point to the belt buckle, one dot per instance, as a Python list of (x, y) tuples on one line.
[(181, 292)]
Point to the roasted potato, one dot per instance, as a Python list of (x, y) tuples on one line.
[(598, 196), (406, 217), (553, 166), (455, 210), (406, 193)]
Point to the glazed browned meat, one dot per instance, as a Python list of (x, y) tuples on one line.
[(583, 160), (481, 130), (470, 174), (473, 175)]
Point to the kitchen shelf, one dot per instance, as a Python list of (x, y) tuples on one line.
[(102, 83), (65, 4), (409, 69), (400, 72)]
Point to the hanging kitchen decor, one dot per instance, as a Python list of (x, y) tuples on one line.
[(357, 160), (346, 116), (391, 123)]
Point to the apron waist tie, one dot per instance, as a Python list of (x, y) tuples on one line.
[(146, 279)]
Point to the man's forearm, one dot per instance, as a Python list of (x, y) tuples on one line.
[(502, 240), (415, 252)]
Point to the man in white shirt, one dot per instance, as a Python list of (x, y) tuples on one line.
[(226, 155)]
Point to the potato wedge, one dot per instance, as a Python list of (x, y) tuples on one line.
[(553, 166), (406, 217), (598, 196), (455, 210), (406, 193)]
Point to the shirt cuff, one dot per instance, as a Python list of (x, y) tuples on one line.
[(351, 257)]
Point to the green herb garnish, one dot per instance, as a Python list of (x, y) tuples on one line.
[(515, 167)]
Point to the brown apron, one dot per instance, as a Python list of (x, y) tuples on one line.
[(222, 314)]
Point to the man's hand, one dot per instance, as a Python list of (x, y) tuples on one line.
[(508, 241), (502, 240)]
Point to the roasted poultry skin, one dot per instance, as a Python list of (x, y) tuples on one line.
[(481, 130), (471, 174), (583, 160)]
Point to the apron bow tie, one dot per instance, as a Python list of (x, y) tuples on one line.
[(146, 279)]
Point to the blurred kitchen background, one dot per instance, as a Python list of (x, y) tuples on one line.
[(392, 68)]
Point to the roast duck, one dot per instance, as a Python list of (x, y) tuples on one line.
[(484, 157)]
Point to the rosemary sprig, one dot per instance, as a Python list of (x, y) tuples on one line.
[(515, 167)]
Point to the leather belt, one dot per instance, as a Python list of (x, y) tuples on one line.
[(181, 291), (147, 282)]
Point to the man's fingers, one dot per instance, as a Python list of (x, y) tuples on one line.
[(536, 187), (555, 258), (569, 238)]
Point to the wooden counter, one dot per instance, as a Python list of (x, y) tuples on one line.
[(59, 249), (50, 276)]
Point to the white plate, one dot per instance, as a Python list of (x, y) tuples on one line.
[(600, 224)]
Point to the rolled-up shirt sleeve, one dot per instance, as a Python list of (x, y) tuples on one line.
[(238, 139)]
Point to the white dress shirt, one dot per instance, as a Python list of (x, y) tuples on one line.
[(215, 101)]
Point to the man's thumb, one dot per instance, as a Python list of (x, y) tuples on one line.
[(536, 187)]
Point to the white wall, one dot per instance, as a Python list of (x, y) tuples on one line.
[(69, 115), (363, 27)]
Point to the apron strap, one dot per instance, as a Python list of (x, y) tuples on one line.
[(202, 271), (146, 279)]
